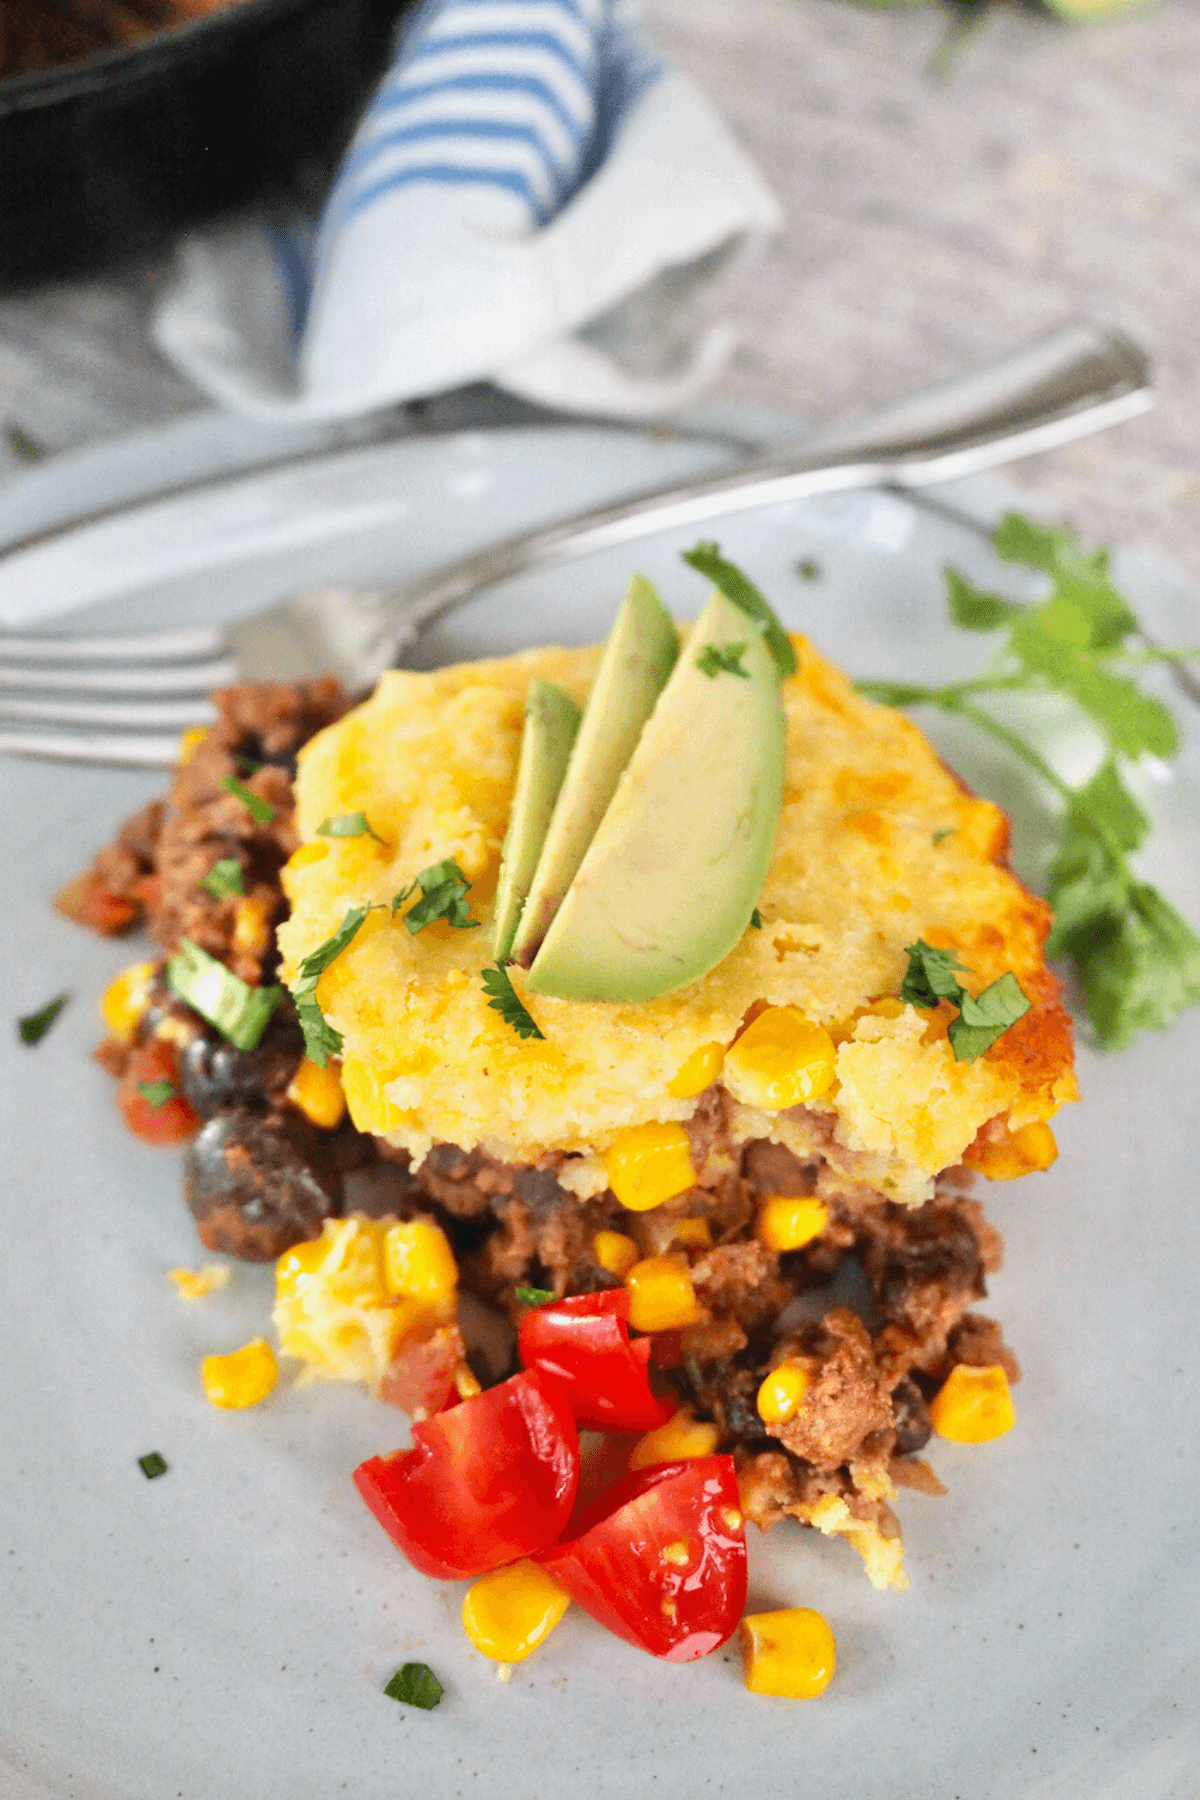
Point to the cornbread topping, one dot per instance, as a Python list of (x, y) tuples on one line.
[(877, 846)]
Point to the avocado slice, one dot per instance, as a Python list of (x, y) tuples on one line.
[(551, 721), (676, 867), (637, 659)]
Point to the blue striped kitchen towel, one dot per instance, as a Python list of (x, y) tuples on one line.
[(532, 198)]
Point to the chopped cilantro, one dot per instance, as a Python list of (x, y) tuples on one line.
[(756, 919), (238, 1011), (1136, 959), (498, 985), (347, 825), (947, 831), (443, 888), (157, 1093), (416, 1685), (34, 1026), (706, 559), (152, 1465), (982, 1018), (321, 1040), (261, 811), (249, 765), (534, 1296), (22, 443), (713, 661), (225, 879)]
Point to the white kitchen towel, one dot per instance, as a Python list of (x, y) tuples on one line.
[(533, 198)]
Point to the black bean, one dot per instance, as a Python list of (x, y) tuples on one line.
[(257, 1185), (215, 1074), (912, 1421)]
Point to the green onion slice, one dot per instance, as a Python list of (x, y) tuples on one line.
[(239, 1012)]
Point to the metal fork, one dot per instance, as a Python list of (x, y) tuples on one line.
[(133, 695)]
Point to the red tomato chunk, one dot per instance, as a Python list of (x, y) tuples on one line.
[(486, 1483), (149, 1110), (584, 1341), (661, 1558)]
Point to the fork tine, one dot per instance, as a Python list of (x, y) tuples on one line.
[(189, 678), (135, 751), (119, 647), (118, 715)]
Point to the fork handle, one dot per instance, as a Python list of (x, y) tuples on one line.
[(1074, 381)]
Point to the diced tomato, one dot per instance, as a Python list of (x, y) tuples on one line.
[(169, 1120), (89, 903), (661, 1558), (486, 1483), (420, 1376), (584, 1341)]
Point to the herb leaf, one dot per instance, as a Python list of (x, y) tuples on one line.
[(984, 1018), (261, 811), (714, 661), (504, 1001), (930, 976), (756, 919), (239, 1012), (529, 1296), (152, 1465), (1137, 960), (444, 888), (347, 825), (225, 879), (157, 1093), (706, 559), (416, 1685), (974, 610), (34, 1026), (321, 1040)]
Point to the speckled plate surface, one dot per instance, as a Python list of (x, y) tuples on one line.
[(227, 1630)]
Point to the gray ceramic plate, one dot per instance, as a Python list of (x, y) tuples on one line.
[(227, 1630)]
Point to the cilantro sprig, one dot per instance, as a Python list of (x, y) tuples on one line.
[(713, 661), (1136, 960), (443, 896), (503, 999), (932, 975), (347, 825), (321, 1040)]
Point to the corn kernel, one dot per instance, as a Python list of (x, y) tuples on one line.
[(661, 1295), (370, 1108), (252, 922), (615, 1252), (790, 1652), (695, 1232), (124, 1001), (318, 1094), (306, 855), (781, 1395), (698, 1072), (973, 1405), (508, 1613), (733, 1518), (680, 1439), (189, 743), (242, 1378), (678, 1554), (781, 1059), (647, 1164), (787, 1222), (1020, 1152), (194, 1284), (418, 1262)]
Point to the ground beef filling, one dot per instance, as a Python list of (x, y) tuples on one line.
[(878, 1306)]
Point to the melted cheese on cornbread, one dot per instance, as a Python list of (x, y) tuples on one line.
[(878, 844)]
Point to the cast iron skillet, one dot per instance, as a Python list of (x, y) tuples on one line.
[(103, 159)]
